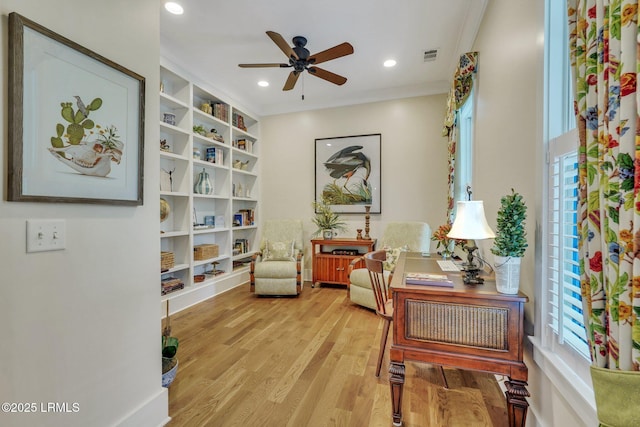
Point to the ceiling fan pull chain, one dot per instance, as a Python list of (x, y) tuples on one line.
[(303, 87)]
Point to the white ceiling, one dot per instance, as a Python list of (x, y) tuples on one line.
[(212, 37)]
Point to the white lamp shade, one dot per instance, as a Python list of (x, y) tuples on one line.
[(470, 222)]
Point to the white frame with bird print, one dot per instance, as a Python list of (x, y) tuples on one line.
[(76, 121), (348, 173)]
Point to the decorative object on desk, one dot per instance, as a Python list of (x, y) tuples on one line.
[(367, 218), (203, 183), (470, 225), (428, 279), (448, 244), (348, 172), (169, 353), (510, 243), (327, 221), (359, 233), (165, 210)]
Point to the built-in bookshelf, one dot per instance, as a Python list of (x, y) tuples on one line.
[(205, 137)]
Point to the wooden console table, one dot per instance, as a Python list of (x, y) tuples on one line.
[(466, 327), (334, 268)]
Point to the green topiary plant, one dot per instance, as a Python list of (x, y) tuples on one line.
[(511, 237)]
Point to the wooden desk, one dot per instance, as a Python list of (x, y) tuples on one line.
[(334, 268), (466, 327)]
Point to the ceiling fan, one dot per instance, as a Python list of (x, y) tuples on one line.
[(300, 60)]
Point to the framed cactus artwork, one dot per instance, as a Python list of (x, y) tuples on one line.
[(76, 121)]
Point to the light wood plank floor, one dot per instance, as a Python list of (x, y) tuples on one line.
[(308, 361)]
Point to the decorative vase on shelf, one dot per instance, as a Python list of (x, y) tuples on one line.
[(327, 234), (203, 184)]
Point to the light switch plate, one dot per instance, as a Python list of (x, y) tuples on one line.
[(45, 235)]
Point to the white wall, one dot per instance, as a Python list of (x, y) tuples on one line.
[(414, 161), (509, 154), (82, 325)]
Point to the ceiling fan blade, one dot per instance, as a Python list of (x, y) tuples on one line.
[(291, 80), (338, 51), (327, 75), (263, 65), (282, 44)]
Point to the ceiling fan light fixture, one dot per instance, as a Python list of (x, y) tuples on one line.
[(173, 7), (390, 63), (263, 83)]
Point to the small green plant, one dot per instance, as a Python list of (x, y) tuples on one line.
[(511, 237), (199, 129), (326, 219)]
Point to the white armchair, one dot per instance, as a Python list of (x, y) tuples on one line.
[(277, 268), (411, 235)]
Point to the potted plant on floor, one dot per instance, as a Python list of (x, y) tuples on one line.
[(327, 221), (169, 352), (510, 242)]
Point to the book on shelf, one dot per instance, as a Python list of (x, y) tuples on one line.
[(244, 217), (428, 279), (215, 155)]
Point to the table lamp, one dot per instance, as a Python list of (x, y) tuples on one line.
[(470, 224)]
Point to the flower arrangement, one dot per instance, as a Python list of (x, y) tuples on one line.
[(440, 236), (326, 219)]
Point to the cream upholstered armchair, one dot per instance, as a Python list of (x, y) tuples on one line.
[(277, 268), (398, 236)]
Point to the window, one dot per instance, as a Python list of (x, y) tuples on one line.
[(561, 309), (464, 152), (564, 308)]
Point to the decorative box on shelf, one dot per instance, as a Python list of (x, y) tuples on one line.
[(171, 284), (167, 261), (205, 251)]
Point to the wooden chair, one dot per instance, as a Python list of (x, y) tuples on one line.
[(374, 261)]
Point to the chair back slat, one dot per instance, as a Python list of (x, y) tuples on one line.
[(374, 263)]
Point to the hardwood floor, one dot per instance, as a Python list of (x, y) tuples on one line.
[(308, 361)]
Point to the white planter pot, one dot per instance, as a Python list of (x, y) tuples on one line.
[(507, 274)]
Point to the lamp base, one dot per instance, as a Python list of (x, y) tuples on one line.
[(470, 276)]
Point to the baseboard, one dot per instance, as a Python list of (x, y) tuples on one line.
[(199, 293), (154, 412)]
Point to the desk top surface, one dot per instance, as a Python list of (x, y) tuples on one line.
[(414, 262)]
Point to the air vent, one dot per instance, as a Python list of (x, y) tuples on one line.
[(430, 55)]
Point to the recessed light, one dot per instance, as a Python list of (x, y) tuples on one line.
[(263, 83), (173, 7), (390, 63)]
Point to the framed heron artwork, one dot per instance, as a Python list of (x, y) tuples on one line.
[(76, 121), (348, 173)]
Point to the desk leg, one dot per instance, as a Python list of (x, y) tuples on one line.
[(517, 405), (396, 381)]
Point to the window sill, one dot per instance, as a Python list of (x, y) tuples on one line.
[(577, 392)]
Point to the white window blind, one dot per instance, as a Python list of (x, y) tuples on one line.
[(565, 318)]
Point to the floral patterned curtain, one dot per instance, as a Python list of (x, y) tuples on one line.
[(460, 89), (603, 48)]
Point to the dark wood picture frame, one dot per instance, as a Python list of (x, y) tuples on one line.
[(348, 172), (57, 153)]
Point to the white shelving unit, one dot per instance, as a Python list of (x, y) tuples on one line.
[(228, 152)]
